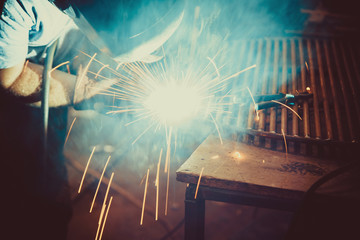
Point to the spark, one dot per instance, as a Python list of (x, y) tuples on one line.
[(286, 150), (67, 136), (106, 214), (252, 97), (167, 169), (287, 108), (68, 68), (237, 74), (98, 186), (97, 74), (157, 184), (237, 155), (100, 220), (61, 64), (168, 150), (108, 188), (198, 183), (82, 75), (86, 168), (213, 63), (217, 128), (145, 191)]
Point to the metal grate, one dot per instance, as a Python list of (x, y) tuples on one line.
[(331, 118)]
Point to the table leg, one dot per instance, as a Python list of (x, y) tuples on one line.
[(194, 214)]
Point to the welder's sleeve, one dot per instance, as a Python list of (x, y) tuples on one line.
[(14, 34)]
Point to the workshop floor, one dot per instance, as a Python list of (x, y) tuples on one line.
[(223, 221)]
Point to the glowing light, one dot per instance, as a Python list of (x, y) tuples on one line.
[(236, 155), (173, 103)]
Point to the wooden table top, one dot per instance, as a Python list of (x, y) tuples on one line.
[(242, 167)]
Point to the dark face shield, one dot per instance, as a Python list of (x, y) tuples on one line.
[(127, 30)]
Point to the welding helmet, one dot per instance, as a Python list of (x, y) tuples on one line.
[(127, 30)]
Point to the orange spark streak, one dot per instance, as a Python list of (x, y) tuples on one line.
[(213, 63), (97, 74), (252, 97), (145, 191), (288, 108), (167, 188), (157, 184), (100, 180), (236, 74), (61, 64), (68, 68), (99, 222), (108, 188), (286, 150), (198, 183), (84, 72), (107, 212), (168, 142), (86, 168), (67, 136), (217, 128), (142, 134)]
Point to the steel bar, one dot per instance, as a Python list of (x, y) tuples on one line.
[(284, 85), (314, 91), (295, 121), (241, 63), (355, 63), (343, 90), (246, 82), (255, 82), (323, 90), (272, 127), (264, 83), (303, 85), (352, 87), (334, 92)]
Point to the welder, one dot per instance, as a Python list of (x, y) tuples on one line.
[(37, 202)]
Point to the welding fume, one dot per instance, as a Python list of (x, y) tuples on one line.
[(52, 43)]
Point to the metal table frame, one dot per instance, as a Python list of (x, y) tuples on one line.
[(195, 208)]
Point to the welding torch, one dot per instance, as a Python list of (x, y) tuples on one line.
[(268, 101)]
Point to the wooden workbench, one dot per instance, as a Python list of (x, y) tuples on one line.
[(239, 173)]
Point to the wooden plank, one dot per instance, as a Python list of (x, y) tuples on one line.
[(241, 167)]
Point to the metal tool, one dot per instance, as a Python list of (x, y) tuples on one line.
[(268, 101)]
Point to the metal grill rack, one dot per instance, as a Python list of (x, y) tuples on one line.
[(330, 124)]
